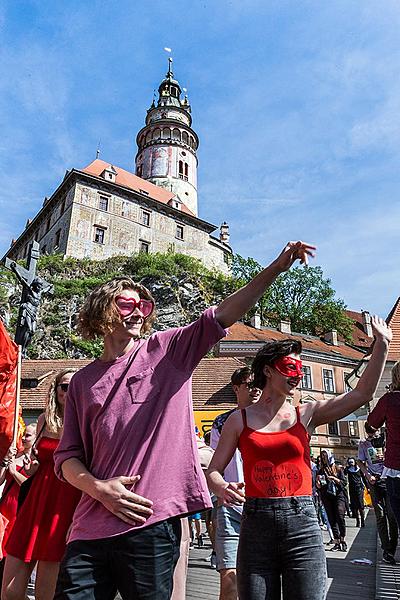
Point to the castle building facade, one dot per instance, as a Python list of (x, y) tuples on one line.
[(103, 210)]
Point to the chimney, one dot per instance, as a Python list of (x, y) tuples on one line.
[(285, 326), (331, 337), (256, 321), (366, 319), (224, 233)]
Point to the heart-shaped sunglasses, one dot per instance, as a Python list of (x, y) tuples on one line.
[(126, 306)]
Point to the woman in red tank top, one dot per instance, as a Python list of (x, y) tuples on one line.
[(40, 529), (280, 548)]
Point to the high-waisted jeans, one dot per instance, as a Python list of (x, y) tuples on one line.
[(281, 547)]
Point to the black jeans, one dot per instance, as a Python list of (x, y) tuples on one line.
[(385, 519), (335, 507), (281, 546), (393, 492), (139, 564)]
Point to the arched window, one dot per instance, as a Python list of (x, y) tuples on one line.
[(186, 170), (157, 134), (176, 134), (166, 133), (180, 169), (148, 137), (192, 142), (185, 137)]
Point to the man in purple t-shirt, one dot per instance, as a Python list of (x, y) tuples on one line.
[(122, 413)]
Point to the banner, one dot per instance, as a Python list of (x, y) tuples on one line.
[(8, 388)]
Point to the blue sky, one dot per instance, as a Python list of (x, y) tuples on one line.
[(296, 103)]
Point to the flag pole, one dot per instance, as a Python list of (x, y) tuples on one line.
[(17, 399)]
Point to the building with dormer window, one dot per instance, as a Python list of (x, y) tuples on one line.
[(103, 210)]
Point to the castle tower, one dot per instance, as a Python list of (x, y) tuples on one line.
[(167, 144)]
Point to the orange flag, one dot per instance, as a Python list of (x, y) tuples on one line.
[(8, 389)]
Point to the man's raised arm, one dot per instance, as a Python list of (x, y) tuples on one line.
[(234, 307)]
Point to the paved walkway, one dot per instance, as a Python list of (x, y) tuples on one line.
[(346, 579)]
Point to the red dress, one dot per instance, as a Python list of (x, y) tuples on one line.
[(42, 523), (9, 505)]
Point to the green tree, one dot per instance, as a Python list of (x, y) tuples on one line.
[(302, 295)]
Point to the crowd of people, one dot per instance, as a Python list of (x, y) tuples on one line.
[(97, 500)]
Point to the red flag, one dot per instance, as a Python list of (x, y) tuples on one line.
[(8, 388)]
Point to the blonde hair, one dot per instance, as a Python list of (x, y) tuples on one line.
[(396, 377), (54, 412), (99, 315)]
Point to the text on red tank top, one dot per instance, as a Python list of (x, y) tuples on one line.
[(276, 464)]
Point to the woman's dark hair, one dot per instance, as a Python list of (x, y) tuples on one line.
[(268, 355), (240, 375)]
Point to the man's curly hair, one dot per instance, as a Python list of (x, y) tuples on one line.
[(99, 314), (268, 355)]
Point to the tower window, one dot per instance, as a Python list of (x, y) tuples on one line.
[(145, 218), (166, 133), (183, 170), (179, 232), (157, 134), (185, 137), (144, 247), (103, 203), (139, 170), (99, 235), (176, 134)]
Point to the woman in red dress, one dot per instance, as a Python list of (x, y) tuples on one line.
[(12, 474), (40, 530)]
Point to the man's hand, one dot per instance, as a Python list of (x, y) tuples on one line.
[(120, 501), (381, 330), (233, 494), (371, 479), (294, 251)]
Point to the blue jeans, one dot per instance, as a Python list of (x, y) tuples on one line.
[(281, 547)]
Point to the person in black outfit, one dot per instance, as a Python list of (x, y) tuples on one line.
[(332, 482), (356, 490)]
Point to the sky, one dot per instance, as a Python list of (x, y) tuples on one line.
[(296, 104)]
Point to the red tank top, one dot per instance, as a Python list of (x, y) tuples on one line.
[(277, 464)]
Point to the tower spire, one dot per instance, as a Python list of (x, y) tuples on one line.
[(170, 74)]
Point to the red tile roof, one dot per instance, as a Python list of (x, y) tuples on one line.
[(360, 338), (133, 182), (211, 382), (394, 321), (212, 388), (241, 332), (44, 371)]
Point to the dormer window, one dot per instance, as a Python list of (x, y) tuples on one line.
[(109, 174)]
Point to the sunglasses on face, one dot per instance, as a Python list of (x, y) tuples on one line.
[(63, 386), (126, 306)]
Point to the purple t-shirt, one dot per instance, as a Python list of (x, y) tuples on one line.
[(147, 428)]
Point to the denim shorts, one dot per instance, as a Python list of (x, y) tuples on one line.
[(227, 537), (281, 550)]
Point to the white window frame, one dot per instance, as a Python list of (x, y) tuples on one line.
[(332, 391)]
